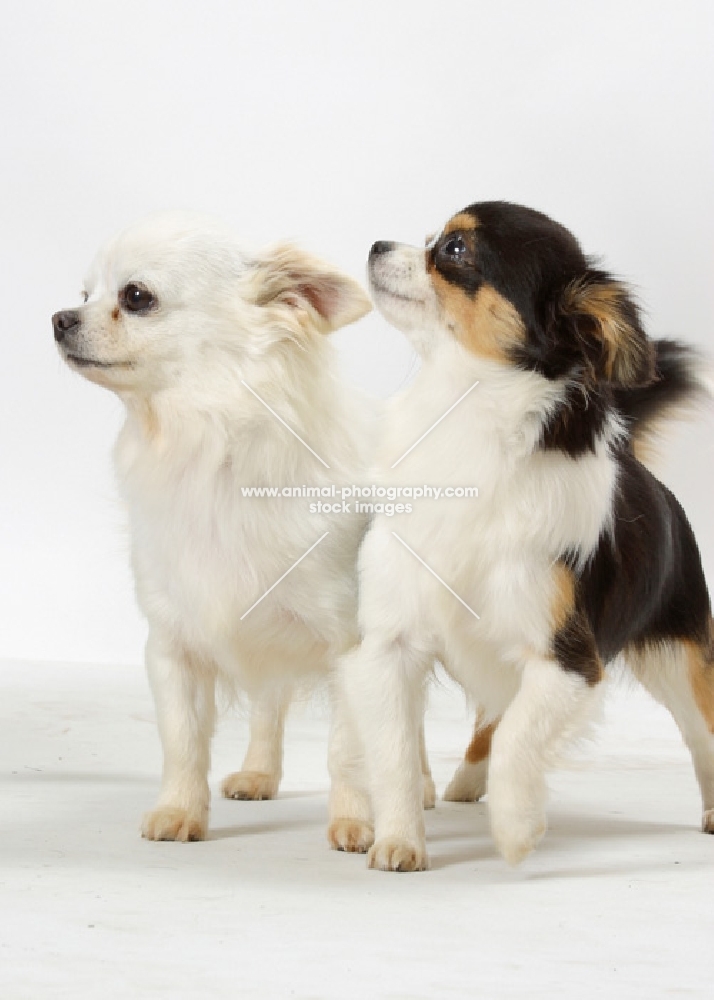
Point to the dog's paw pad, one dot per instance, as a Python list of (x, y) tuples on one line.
[(351, 835), (393, 855), (254, 785), (168, 823)]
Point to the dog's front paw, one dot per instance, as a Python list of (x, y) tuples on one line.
[(708, 821), (516, 831), (394, 855), (468, 783), (169, 823), (256, 785), (351, 835)]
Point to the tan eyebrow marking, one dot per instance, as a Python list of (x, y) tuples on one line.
[(462, 221)]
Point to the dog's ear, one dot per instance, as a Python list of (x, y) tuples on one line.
[(291, 277), (606, 322)]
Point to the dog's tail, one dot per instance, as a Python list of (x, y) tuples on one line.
[(683, 384)]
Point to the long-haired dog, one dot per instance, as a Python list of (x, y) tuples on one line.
[(573, 552), (229, 381)]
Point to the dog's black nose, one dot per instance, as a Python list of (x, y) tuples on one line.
[(380, 247), (65, 322)]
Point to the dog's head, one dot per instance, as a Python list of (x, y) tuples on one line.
[(513, 286), (176, 294)]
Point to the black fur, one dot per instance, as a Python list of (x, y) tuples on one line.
[(535, 263), (577, 423), (675, 383), (521, 253), (530, 260), (575, 426), (575, 648), (645, 582)]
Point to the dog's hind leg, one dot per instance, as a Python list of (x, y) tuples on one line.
[(680, 675), (469, 781), (184, 696), (262, 768), (428, 786)]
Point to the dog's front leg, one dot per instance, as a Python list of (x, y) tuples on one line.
[(259, 777), (551, 705), (184, 696), (428, 786), (350, 815), (384, 682)]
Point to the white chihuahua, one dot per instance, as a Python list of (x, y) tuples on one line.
[(221, 360)]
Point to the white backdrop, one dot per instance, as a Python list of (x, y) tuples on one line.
[(337, 124)]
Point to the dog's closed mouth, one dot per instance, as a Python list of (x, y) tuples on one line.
[(378, 287), (81, 362)]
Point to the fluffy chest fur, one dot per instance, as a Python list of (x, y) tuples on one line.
[(495, 551), (204, 552)]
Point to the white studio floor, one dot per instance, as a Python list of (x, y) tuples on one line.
[(617, 902)]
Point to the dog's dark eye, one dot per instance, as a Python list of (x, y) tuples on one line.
[(136, 298), (455, 248)]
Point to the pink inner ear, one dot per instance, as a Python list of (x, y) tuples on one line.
[(322, 297)]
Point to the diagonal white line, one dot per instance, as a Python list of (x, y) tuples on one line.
[(435, 575), (296, 563), (435, 424), (278, 417)]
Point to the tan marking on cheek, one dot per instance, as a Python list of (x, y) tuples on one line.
[(701, 678), (116, 313), (480, 746), (487, 325)]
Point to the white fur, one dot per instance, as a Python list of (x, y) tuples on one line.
[(496, 552), (194, 435), (469, 782)]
